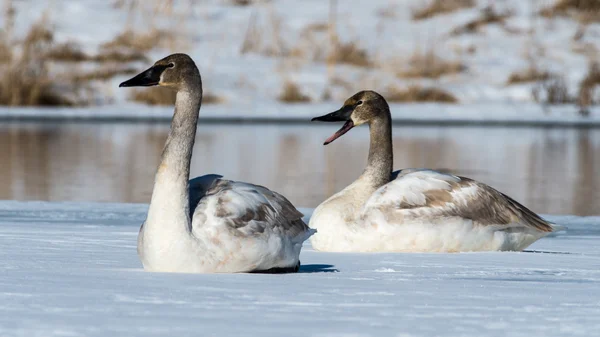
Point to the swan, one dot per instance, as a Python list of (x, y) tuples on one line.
[(414, 210), (209, 224)]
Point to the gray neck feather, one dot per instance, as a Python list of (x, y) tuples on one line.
[(172, 176), (177, 152), (380, 161)]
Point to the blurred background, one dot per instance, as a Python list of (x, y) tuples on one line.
[(505, 92)]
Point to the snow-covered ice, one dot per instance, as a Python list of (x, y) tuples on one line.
[(71, 269)]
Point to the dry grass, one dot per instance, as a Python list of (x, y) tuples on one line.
[(26, 80), (349, 53), (67, 52), (153, 96), (240, 2), (121, 57), (417, 93), (70, 52), (311, 44), (315, 27), (103, 74), (589, 50), (429, 65), (5, 52), (340, 82), (557, 91), (531, 74), (136, 41), (437, 7), (317, 41), (488, 16), (584, 11), (209, 98), (265, 38), (164, 96), (18, 89), (291, 94), (26, 66), (553, 91), (38, 71), (586, 88)]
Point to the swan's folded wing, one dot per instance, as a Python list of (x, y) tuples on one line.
[(249, 209), (427, 194), (198, 187)]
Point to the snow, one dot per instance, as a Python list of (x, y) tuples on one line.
[(71, 269), (213, 32)]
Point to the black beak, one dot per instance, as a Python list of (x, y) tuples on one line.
[(340, 115), (149, 77)]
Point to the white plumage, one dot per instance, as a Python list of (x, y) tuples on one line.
[(208, 224), (426, 211), (235, 227), (415, 210)]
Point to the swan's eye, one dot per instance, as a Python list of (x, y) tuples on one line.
[(170, 65)]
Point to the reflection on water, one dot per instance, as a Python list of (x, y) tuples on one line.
[(553, 171)]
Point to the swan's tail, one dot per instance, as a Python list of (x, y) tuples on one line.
[(304, 235), (557, 228)]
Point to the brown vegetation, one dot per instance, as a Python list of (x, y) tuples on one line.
[(429, 65), (437, 7), (531, 74), (117, 56), (164, 96), (27, 89), (586, 88), (39, 71), (25, 79), (265, 39), (103, 73), (553, 90), (67, 52), (291, 94), (137, 41), (349, 53), (315, 27), (489, 15), (417, 93), (5, 52), (585, 11), (153, 96), (317, 41), (240, 2), (70, 52)]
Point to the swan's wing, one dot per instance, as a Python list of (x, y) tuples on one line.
[(198, 188), (428, 194), (250, 210)]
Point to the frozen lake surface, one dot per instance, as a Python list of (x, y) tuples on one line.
[(70, 269)]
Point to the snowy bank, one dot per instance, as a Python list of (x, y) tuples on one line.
[(525, 114)]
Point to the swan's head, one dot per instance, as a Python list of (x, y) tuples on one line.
[(362, 108), (176, 71)]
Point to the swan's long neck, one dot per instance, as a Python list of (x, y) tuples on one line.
[(380, 161), (169, 207), (378, 172)]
